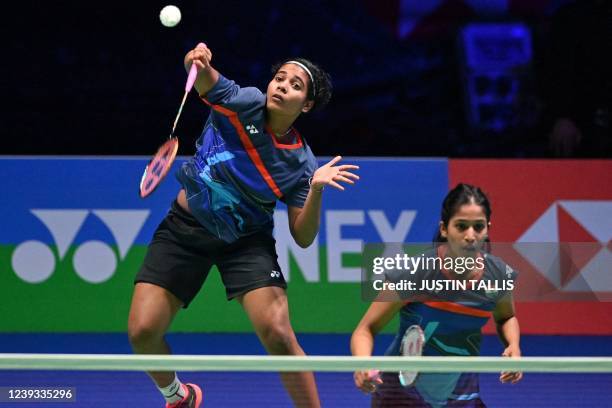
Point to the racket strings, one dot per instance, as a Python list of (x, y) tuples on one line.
[(158, 167), (411, 346)]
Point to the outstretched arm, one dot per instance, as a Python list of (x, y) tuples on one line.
[(207, 75), (509, 333), (362, 340), (304, 222), (375, 319)]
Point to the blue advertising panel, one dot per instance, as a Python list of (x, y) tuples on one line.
[(74, 232)]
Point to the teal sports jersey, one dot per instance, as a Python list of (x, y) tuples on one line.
[(240, 169), (451, 320), (452, 326)]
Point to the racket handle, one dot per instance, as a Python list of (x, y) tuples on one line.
[(193, 73)]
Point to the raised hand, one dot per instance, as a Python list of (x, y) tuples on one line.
[(201, 56), (332, 175)]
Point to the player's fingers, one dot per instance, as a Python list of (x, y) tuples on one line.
[(516, 376), (508, 377), (363, 384), (348, 167), (344, 179), (191, 55), (206, 53), (360, 378), (334, 161), (195, 56), (349, 174), (336, 185), (368, 387)]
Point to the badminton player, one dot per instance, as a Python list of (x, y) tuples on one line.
[(452, 327), (248, 157)]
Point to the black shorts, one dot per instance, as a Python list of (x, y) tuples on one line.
[(182, 252)]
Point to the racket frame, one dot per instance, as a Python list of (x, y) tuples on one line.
[(152, 175), (172, 141), (407, 378)]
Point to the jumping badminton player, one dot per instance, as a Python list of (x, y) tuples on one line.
[(450, 328), (248, 156)]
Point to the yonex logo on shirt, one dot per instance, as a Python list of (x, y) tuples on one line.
[(275, 274), (509, 271), (252, 129)]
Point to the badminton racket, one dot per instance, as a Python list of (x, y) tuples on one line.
[(411, 346), (162, 160)]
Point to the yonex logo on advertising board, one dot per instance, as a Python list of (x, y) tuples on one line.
[(94, 261)]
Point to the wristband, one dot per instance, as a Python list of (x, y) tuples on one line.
[(314, 189)]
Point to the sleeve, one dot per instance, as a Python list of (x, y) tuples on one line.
[(402, 265), (297, 196), (504, 274), (229, 95), (406, 278)]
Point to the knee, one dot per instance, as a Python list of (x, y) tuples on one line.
[(279, 339), (142, 333)]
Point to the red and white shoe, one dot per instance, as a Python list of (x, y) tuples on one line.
[(193, 398)]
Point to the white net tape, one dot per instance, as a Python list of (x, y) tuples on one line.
[(121, 362)]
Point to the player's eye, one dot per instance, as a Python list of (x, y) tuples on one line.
[(296, 86), (278, 79), (461, 226), (479, 227)]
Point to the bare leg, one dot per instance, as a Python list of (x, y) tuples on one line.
[(151, 313), (269, 312)]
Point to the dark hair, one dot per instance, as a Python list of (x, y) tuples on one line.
[(458, 196), (322, 82)]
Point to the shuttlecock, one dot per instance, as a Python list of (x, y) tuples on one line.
[(170, 16)]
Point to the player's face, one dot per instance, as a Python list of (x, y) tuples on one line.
[(288, 90), (466, 230)]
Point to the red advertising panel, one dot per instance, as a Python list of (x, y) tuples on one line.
[(536, 205)]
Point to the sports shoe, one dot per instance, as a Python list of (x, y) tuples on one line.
[(193, 399)]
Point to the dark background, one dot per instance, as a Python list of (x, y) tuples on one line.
[(106, 78)]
